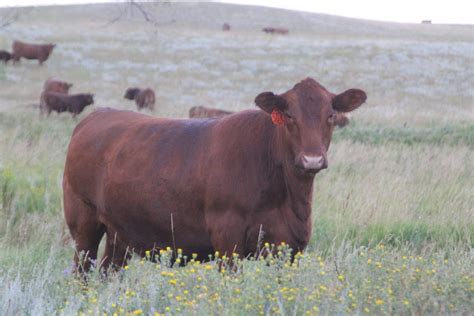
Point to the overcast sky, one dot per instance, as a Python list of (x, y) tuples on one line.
[(439, 11)]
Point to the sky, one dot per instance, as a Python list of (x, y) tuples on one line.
[(405, 11)]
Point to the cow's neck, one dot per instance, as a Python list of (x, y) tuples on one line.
[(299, 187)]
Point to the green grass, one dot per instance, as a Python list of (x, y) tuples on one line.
[(393, 216)]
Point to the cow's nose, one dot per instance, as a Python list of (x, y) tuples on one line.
[(312, 163)]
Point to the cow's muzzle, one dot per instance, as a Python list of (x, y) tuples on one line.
[(311, 163)]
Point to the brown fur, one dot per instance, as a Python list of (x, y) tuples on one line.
[(275, 30), (144, 98), (205, 112), (73, 103), (40, 52), (53, 85), (199, 185), (5, 56)]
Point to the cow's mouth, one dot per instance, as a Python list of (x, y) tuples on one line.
[(307, 172)]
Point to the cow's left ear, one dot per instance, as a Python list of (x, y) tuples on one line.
[(349, 100), (268, 101)]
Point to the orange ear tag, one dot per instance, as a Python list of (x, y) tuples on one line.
[(278, 118)]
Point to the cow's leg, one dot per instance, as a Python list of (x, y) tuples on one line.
[(85, 228), (228, 235), (116, 253)]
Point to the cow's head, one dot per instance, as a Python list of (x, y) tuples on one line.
[(66, 86), (50, 47), (131, 93), (305, 116), (88, 99)]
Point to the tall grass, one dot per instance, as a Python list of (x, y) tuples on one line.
[(393, 217)]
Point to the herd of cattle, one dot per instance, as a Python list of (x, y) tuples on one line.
[(55, 95), (268, 29), (223, 184)]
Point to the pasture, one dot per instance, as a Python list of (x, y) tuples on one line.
[(393, 215)]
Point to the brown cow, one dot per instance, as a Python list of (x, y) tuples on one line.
[(200, 185), (144, 98), (205, 112), (73, 103), (5, 56), (275, 30), (226, 27), (53, 85), (40, 52)]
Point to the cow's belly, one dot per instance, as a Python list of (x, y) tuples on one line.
[(149, 215), (274, 228)]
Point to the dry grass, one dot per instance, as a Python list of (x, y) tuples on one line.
[(401, 173)]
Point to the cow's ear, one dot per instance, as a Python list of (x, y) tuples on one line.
[(349, 100), (268, 101)]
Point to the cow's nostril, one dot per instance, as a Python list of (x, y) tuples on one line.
[(313, 162)]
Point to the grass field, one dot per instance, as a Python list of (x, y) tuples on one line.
[(393, 229)]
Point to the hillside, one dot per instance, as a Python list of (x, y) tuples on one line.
[(186, 53), (392, 216)]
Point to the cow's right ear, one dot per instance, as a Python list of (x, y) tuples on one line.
[(268, 101)]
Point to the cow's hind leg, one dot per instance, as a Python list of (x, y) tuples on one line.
[(116, 253), (86, 230)]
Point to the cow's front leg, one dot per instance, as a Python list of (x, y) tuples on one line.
[(227, 232)]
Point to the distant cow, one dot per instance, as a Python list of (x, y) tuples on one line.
[(40, 52), (5, 56), (205, 112), (226, 27), (275, 30), (340, 119), (73, 103), (53, 85), (222, 185), (144, 98)]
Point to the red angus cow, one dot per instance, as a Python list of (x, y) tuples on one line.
[(40, 52), (144, 98), (201, 185), (53, 85), (205, 112)]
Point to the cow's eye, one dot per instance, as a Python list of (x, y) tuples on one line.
[(332, 117), (288, 114)]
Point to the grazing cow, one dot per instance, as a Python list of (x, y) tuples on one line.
[(200, 185), (275, 30), (144, 98), (226, 27), (5, 56), (73, 103), (40, 52), (205, 112), (53, 85)]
